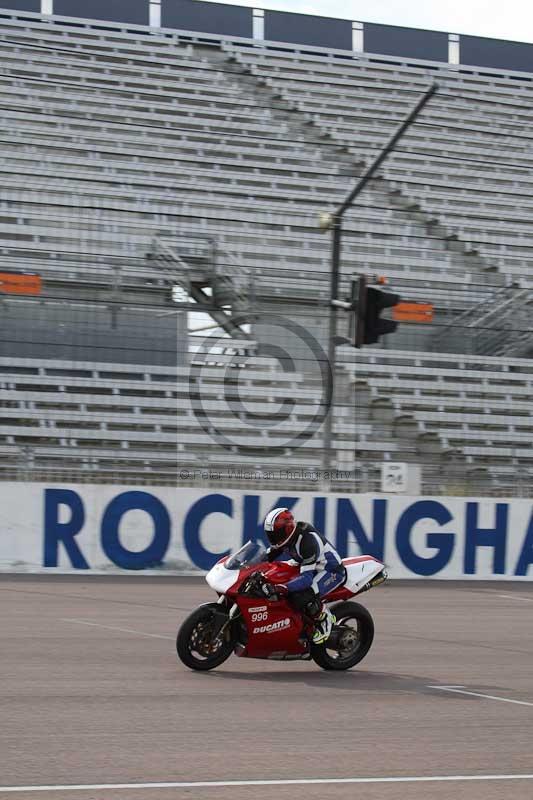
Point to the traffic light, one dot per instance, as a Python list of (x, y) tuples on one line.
[(376, 302), (369, 303)]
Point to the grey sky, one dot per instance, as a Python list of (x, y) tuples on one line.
[(512, 19)]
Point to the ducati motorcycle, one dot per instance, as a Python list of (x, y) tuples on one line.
[(252, 620)]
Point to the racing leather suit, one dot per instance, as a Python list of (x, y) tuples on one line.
[(321, 568)]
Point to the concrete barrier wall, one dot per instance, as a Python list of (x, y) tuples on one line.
[(94, 529)]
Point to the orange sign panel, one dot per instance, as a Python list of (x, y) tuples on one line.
[(15, 283), (413, 312)]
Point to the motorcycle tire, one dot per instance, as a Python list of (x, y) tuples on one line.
[(185, 640), (365, 630)]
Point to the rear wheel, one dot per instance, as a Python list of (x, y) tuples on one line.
[(197, 644), (353, 634)]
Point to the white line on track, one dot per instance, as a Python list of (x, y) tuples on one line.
[(516, 597), (288, 782), (463, 690), (114, 628)]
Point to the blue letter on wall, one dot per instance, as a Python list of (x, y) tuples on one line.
[(56, 531), (486, 537), (154, 554), (319, 514), (210, 504), (349, 522), (526, 556), (443, 542)]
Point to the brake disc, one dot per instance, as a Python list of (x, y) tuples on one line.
[(202, 642), (349, 640)]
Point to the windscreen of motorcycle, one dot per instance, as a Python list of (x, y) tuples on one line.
[(250, 554)]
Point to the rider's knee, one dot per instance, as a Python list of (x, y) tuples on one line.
[(307, 602)]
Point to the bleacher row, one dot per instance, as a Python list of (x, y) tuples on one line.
[(467, 162), (135, 146), (454, 416), (112, 139)]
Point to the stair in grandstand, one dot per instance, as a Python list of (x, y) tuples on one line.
[(468, 417), (311, 125), (412, 443), (403, 219), (206, 275), (499, 325)]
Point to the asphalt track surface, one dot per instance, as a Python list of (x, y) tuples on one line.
[(91, 694)]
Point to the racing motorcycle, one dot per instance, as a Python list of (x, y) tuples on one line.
[(253, 620)]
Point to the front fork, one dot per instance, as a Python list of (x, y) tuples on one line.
[(224, 620)]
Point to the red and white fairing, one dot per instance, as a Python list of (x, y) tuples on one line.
[(360, 571)]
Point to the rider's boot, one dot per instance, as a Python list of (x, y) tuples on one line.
[(323, 625)]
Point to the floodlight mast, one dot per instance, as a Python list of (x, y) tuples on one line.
[(334, 222)]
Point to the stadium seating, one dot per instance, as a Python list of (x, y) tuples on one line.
[(129, 94), (126, 153), (120, 418), (467, 160)]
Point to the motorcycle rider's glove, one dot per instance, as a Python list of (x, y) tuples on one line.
[(268, 589), (274, 590)]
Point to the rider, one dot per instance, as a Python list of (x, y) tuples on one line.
[(321, 567)]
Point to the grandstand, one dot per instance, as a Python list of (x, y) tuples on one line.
[(162, 182)]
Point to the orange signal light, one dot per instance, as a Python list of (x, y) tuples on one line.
[(413, 312), (16, 283)]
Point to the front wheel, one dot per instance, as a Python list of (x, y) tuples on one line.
[(198, 645), (353, 634)]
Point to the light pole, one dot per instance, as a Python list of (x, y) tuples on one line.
[(334, 222)]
